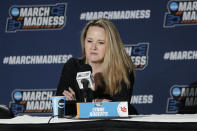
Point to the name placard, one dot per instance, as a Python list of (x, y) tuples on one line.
[(102, 109)]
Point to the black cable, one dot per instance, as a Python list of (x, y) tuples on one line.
[(52, 118), (67, 117)]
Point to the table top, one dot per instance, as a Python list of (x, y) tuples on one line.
[(164, 118)]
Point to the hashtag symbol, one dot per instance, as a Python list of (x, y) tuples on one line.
[(166, 56), (5, 60), (83, 16)]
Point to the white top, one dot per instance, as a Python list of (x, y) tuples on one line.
[(25, 119)]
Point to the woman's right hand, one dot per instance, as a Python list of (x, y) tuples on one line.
[(69, 94)]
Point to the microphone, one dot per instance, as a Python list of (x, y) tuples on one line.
[(85, 79), (5, 112)]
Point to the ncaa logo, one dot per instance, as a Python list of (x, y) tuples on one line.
[(176, 92), (17, 96), (173, 6), (36, 17), (15, 12)]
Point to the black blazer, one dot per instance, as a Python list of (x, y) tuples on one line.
[(68, 79)]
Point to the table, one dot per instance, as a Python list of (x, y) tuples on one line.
[(178, 122)]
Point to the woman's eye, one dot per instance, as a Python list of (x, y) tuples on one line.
[(101, 43), (89, 41)]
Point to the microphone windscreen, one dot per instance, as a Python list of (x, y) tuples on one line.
[(85, 67)]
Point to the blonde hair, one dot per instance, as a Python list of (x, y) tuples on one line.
[(116, 62)]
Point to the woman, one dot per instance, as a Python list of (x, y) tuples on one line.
[(103, 50)]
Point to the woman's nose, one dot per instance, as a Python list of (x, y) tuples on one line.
[(94, 46)]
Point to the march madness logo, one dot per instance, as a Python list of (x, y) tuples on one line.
[(138, 54), (181, 13), (183, 99), (36, 17), (32, 101)]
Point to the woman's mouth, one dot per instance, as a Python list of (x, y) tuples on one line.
[(93, 53)]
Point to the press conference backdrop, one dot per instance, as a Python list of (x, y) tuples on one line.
[(38, 37)]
